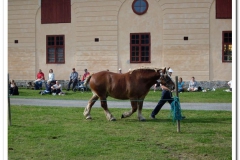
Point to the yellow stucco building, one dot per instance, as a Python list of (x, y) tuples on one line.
[(186, 35)]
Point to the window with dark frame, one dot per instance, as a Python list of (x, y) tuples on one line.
[(227, 46), (223, 9), (55, 11), (140, 6), (55, 49), (140, 48)]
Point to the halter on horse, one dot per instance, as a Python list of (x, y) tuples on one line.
[(133, 85)]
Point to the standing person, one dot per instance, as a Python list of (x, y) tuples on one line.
[(120, 70), (180, 85), (39, 79), (73, 79), (166, 96), (57, 88), (85, 75), (192, 85)]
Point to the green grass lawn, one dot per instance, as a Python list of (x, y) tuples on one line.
[(63, 133), (57, 133), (218, 96)]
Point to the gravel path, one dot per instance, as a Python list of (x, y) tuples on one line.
[(119, 104)]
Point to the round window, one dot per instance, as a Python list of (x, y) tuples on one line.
[(140, 6)]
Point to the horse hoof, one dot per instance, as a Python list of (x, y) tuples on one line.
[(88, 117), (113, 119), (142, 120)]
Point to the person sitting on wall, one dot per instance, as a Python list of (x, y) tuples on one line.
[(85, 75), (51, 77), (73, 79), (39, 80)]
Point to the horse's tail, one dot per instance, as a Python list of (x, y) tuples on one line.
[(86, 83)]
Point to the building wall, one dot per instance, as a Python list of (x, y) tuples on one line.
[(129, 22), (112, 21), (218, 69), (62, 71), (21, 27)]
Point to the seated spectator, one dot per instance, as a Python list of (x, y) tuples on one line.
[(230, 85), (156, 85), (85, 75), (51, 77), (192, 85), (73, 79), (180, 85), (48, 89), (13, 90), (57, 89), (39, 80)]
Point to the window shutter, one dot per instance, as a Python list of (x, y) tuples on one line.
[(67, 11), (60, 11), (223, 9), (48, 11), (55, 11)]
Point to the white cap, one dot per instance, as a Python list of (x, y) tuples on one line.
[(119, 69), (170, 70)]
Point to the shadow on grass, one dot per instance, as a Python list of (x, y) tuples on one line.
[(208, 120), (187, 120)]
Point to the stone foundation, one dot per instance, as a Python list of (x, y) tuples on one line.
[(204, 84)]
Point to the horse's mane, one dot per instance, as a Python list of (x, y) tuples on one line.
[(145, 68)]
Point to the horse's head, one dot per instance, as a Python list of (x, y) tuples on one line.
[(166, 80)]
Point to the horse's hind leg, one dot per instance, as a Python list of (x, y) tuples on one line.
[(109, 116), (134, 104), (88, 108)]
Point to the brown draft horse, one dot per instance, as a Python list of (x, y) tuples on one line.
[(133, 85)]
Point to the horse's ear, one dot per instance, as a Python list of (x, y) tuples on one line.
[(164, 70)]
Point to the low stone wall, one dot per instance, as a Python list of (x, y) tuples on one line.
[(210, 84), (204, 84), (23, 83)]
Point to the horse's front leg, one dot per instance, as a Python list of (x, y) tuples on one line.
[(109, 116), (88, 108), (134, 104), (140, 105)]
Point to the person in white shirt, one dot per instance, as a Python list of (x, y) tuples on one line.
[(51, 75), (230, 85), (57, 89), (51, 78)]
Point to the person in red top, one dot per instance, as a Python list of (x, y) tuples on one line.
[(40, 75), (39, 80), (85, 75)]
